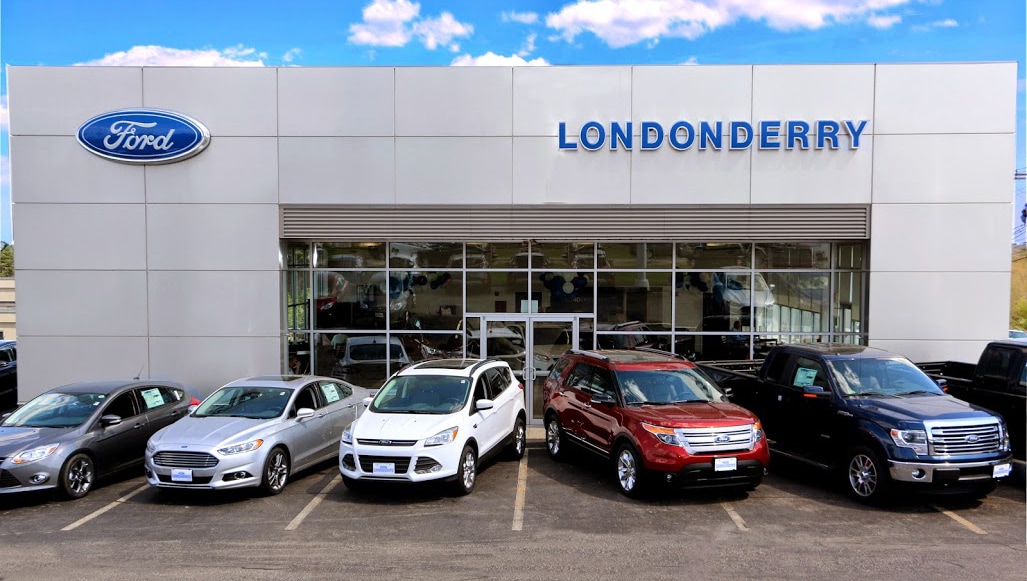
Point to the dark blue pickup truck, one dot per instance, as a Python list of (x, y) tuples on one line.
[(871, 416)]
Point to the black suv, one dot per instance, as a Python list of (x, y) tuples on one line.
[(8, 375)]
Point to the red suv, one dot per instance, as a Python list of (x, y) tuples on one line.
[(656, 415)]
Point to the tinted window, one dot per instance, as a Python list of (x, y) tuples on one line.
[(809, 373), (123, 406), (427, 394), (334, 392), (158, 396), (496, 381), (56, 410), (245, 402), (579, 376), (776, 367), (557, 370)]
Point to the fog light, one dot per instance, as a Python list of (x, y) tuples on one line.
[(670, 477), (39, 478), (919, 474)]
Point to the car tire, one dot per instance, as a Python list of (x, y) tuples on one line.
[(466, 472), (866, 477), (515, 451), (556, 442), (628, 471), (276, 472), (77, 476)]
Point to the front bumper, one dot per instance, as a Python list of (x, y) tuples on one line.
[(948, 472), (40, 475), (410, 463), (679, 468), (235, 471)]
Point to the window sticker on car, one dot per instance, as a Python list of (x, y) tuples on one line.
[(804, 377), (152, 398), (331, 394)]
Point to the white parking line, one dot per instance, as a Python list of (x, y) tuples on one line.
[(959, 520), (97, 513), (737, 518), (522, 488), (313, 503)]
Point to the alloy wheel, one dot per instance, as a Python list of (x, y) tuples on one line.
[(862, 475)]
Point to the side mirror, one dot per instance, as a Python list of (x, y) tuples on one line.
[(5, 416), (304, 413), (110, 420), (942, 383), (484, 404), (367, 401), (603, 398), (813, 391)]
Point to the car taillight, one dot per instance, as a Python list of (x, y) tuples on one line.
[(520, 386), (194, 401)]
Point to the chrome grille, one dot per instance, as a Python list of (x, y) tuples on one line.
[(364, 442), (185, 459), (711, 440), (960, 439)]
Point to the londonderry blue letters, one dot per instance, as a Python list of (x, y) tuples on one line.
[(716, 135)]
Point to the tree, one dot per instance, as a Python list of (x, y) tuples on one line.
[(6, 260)]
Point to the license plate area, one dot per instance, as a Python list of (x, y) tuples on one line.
[(181, 475), (383, 468), (1001, 470), (725, 464)]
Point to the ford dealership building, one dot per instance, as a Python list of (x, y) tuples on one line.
[(205, 224)]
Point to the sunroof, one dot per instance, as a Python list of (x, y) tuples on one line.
[(448, 363)]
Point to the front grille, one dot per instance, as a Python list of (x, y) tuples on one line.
[(722, 439), (386, 442), (367, 463), (7, 480), (195, 480), (964, 439), (185, 459)]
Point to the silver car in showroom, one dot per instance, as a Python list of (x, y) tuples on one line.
[(67, 437), (254, 432)]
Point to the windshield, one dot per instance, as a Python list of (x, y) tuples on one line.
[(667, 386), (245, 402), (374, 352), (895, 376), (56, 410), (422, 394)]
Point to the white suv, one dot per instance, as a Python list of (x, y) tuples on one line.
[(435, 420)]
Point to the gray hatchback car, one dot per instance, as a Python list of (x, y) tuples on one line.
[(70, 435)]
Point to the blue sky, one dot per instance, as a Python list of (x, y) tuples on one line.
[(505, 32)]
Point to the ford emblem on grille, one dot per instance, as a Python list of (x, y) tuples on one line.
[(972, 439), (143, 136), (721, 439), (385, 442)]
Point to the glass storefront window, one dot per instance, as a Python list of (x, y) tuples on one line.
[(349, 254), (297, 295), (425, 299), (425, 254), (711, 255), (800, 303), (635, 296), (296, 254), (778, 255), (636, 255)]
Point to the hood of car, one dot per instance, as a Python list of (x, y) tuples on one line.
[(209, 431), (688, 414), (14, 440), (919, 408), (379, 426)]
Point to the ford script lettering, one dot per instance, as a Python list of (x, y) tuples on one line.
[(143, 136)]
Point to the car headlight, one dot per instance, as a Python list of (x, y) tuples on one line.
[(1005, 439), (150, 446), (444, 437), (757, 430), (914, 439), (240, 448), (347, 434), (665, 435), (35, 454)]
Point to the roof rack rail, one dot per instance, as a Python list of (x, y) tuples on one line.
[(481, 363), (588, 354), (661, 352)]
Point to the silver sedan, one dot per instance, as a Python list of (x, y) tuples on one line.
[(254, 432), (67, 437)]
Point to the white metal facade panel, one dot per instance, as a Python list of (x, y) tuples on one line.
[(215, 361), (813, 92), (53, 361), (214, 304), (815, 177), (53, 169), (668, 94), (932, 169), (453, 101), (237, 101), (220, 237), (545, 96), (453, 170), (351, 101), (234, 170), (665, 176), (57, 100), (940, 237), (337, 170), (81, 303), (544, 175), (88, 236)]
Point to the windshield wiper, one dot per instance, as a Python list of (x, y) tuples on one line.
[(691, 401), (917, 392), (871, 394)]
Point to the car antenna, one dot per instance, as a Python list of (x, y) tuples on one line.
[(136, 378)]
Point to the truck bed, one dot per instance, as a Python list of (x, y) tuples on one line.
[(949, 370)]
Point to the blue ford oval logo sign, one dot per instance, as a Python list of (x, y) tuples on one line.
[(143, 136)]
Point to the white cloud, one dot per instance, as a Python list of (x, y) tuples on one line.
[(291, 54), (882, 22), (624, 22), (152, 55), (522, 17), (5, 118), (395, 22), (947, 23), (434, 32), (529, 45), (691, 61), (491, 59)]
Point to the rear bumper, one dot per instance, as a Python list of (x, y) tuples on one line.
[(948, 472)]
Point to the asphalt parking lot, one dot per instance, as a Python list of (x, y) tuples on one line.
[(534, 519)]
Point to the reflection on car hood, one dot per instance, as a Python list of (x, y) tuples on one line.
[(14, 440), (919, 408), (209, 431), (377, 426), (685, 415)]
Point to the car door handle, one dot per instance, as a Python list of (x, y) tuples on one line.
[(137, 427)]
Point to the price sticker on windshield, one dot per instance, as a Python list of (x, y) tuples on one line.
[(725, 464), (1002, 470)]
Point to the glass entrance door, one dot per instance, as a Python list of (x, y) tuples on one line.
[(531, 344)]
